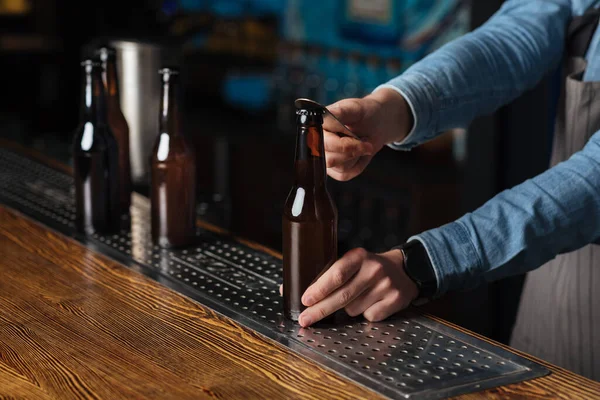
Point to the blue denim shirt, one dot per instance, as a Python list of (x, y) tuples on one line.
[(558, 211)]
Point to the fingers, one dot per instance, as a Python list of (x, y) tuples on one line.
[(348, 111), (336, 276), (341, 161), (281, 290), (346, 145), (361, 303), (345, 174), (384, 308), (346, 157), (339, 298)]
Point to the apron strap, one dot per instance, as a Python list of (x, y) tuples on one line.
[(580, 32), (579, 35)]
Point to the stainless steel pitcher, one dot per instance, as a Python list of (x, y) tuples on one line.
[(138, 64)]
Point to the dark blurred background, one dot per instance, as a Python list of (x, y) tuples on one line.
[(243, 63)]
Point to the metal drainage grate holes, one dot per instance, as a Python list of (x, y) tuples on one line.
[(419, 355)]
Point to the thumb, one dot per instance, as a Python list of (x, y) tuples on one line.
[(349, 111)]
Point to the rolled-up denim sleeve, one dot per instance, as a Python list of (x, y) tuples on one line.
[(484, 69), (520, 229)]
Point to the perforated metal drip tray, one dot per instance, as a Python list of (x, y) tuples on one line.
[(407, 356)]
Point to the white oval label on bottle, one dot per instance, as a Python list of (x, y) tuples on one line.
[(87, 139), (298, 202), (163, 147)]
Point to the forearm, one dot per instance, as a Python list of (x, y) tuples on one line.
[(485, 69), (521, 228)]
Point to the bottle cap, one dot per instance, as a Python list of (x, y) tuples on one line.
[(168, 71), (89, 62), (104, 52)]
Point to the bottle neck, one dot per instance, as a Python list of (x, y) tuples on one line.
[(93, 108), (310, 157), (111, 80), (170, 120)]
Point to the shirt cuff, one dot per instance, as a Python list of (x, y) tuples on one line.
[(402, 144), (422, 99), (452, 255)]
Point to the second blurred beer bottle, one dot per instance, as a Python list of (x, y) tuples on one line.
[(309, 216), (96, 159), (117, 122), (173, 172)]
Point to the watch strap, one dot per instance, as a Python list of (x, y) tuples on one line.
[(419, 268)]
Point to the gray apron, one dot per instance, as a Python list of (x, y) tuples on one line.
[(559, 313)]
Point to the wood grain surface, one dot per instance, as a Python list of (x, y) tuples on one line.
[(74, 324)]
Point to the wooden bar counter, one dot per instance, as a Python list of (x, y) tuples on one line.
[(76, 324)]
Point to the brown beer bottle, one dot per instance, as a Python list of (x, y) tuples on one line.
[(117, 122), (309, 215), (96, 159), (173, 172)]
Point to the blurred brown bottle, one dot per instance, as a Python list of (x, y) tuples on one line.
[(117, 121), (96, 159), (309, 216), (173, 172)]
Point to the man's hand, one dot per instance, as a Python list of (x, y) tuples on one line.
[(380, 118), (374, 285)]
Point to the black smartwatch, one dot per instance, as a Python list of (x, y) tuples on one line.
[(419, 269)]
